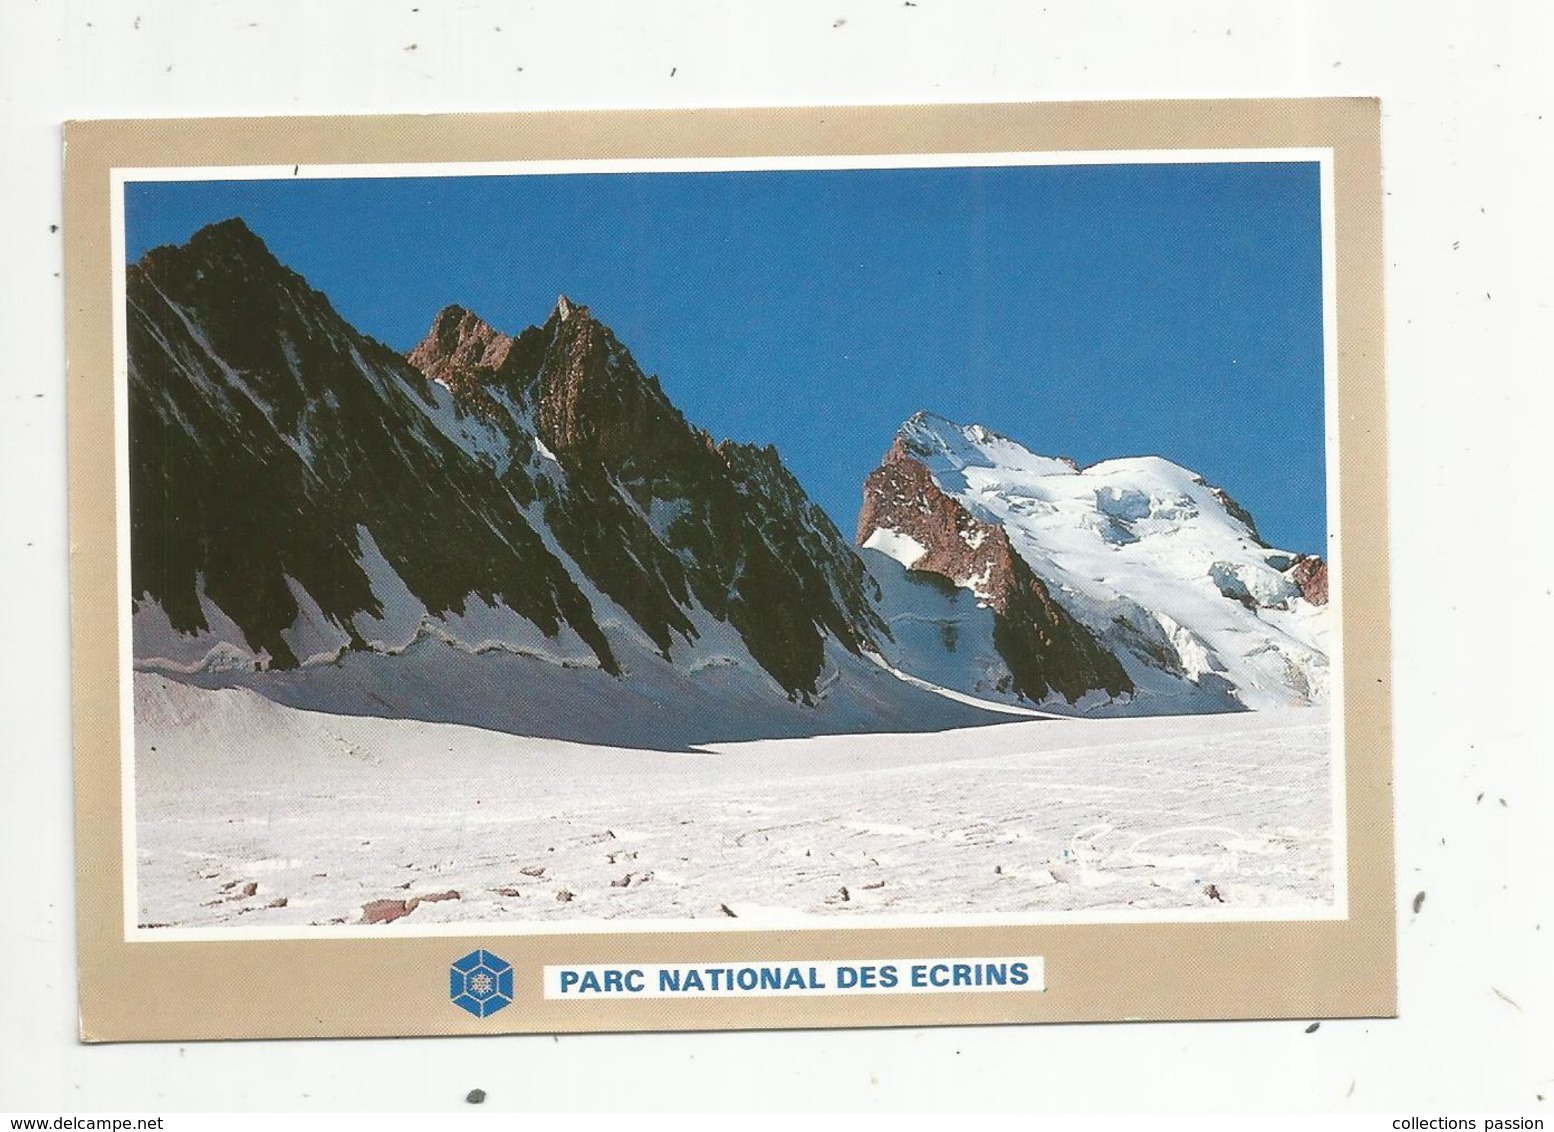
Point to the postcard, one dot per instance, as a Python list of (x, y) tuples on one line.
[(729, 569)]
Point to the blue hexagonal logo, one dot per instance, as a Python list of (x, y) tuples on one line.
[(481, 983)]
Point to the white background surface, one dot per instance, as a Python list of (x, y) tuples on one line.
[(1470, 246)]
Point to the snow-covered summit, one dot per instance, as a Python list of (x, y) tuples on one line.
[(946, 449), (1165, 569)]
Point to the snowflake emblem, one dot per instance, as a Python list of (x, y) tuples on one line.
[(481, 983)]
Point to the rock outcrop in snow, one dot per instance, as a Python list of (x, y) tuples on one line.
[(1164, 576), (1309, 573)]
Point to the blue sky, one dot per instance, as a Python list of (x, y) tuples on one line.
[(1088, 311)]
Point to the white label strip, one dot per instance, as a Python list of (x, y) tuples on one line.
[(796, 977)]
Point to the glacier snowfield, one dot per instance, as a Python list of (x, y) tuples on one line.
[(253, 815)]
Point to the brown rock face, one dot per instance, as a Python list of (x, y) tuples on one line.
[(1310, 574), (593, 401), (901, 496), (463, 351), (1045, 648), (457, 343)]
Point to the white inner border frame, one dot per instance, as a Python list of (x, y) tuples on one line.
[(120, 176)]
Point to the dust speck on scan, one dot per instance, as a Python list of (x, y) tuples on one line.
[(1507, 999)]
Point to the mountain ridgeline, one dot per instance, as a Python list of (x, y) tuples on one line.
[(268, 435), (654, 512), (265, 433), (523, 532)]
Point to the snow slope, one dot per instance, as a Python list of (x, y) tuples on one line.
[(253, 815), (489, 667), (1163, 568)]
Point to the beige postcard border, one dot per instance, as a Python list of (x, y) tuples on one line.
[(157, 990)]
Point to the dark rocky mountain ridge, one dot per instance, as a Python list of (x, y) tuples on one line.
[(522, 531), (734, 531), (276, 450), (264, 431)]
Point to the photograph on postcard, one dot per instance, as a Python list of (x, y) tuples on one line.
[(671, 570), (711, 544)]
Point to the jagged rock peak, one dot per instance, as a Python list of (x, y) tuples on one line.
[(227, 234), (592, 396), (450, 318), (230, 246), (457, 343)]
